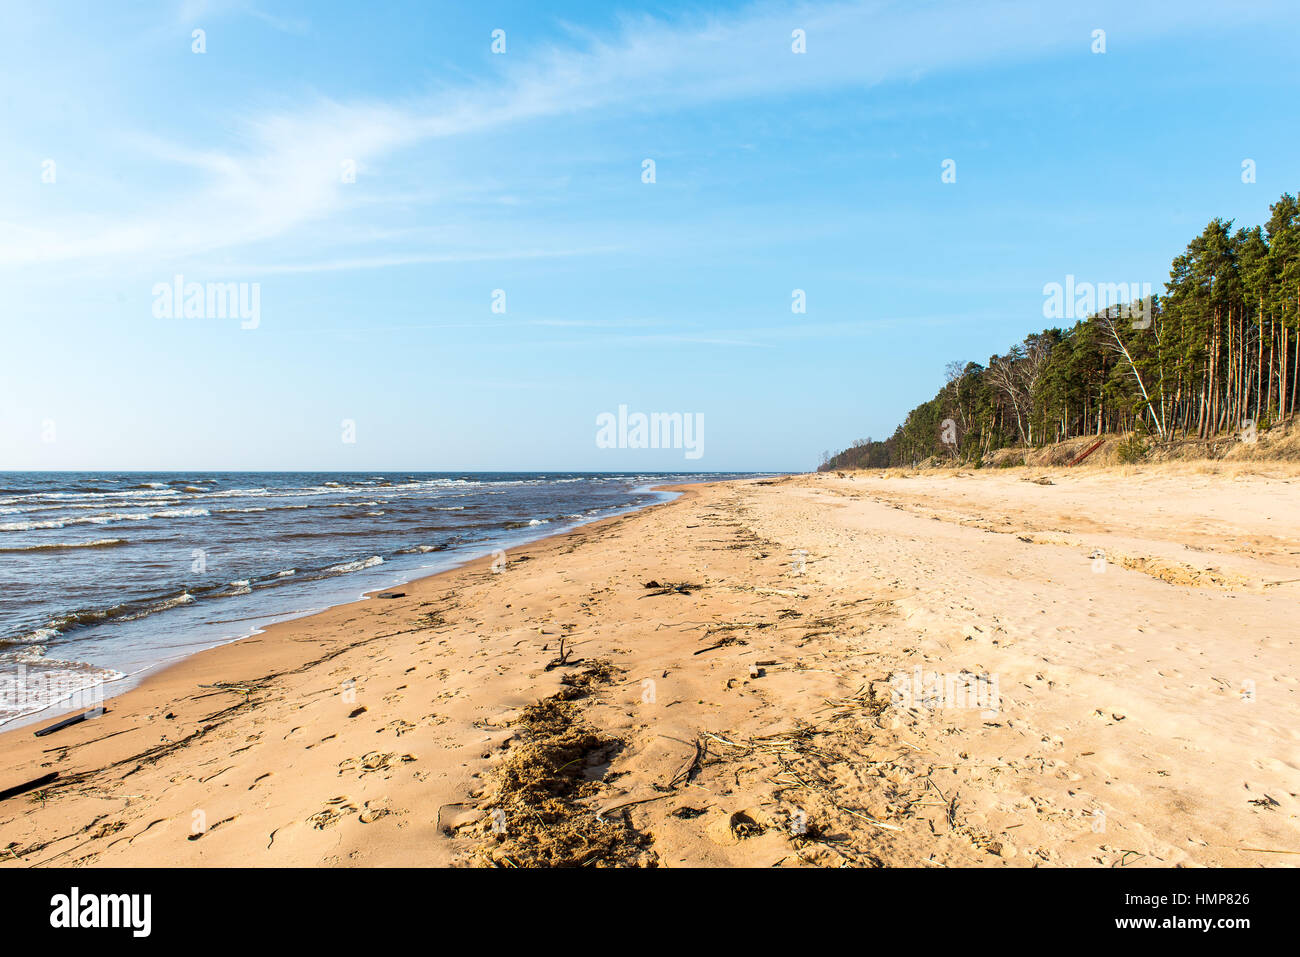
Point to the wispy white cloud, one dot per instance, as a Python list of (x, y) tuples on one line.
[(189, 12), (409, 259), (283, 177)]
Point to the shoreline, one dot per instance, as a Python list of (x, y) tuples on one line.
[(269, 647), (423, 582), (729, 687), (129, 680), (280, 646)]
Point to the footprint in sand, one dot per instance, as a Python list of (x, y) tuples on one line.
[(737, 827), (374, 761), (1114, 716), (106, 830), (335, 810), (195, 837), (373, 811)]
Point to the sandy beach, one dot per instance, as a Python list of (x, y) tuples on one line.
[(727, 693)]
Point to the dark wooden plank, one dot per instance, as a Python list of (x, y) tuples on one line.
[(31, 785)]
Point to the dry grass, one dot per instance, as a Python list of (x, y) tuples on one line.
[(1275, 453)]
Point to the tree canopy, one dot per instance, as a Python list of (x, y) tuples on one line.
[(1218, 352)]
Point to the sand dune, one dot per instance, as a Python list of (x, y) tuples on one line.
[(1116, 656)]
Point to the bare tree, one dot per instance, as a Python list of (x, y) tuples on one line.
[(1016, 375), (1037, 352), (1115, 344), (953, 373), (1002, 376)]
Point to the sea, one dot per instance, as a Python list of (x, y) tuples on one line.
[(106, 577)]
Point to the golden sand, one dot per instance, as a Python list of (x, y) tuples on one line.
[(724, 697)]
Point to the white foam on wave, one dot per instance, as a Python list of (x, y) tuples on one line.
[(68, 499), (39, 636), (259, 508), (72, 506), (105, 519), (60, 546), (29, 687), (356, 566)]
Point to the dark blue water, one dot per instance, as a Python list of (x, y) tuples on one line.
[(105, 576)]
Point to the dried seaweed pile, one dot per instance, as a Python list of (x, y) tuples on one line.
[(537, 816)]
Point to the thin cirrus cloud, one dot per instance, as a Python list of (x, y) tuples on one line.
[(412, 259), (191, 10), (285, 180)]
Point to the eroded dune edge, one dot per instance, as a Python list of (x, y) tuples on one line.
[(1002, 668)]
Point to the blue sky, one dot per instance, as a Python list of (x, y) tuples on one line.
[(522, 172)]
